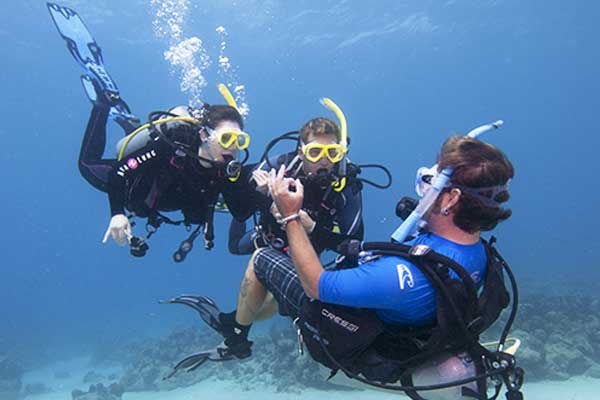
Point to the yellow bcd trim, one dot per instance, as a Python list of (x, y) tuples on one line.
[(338, 186), (511, 345), (235, 178)]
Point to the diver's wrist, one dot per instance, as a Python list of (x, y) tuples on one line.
[(295, 217), (292, 223)]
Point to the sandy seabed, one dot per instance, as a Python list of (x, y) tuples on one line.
[(580, 388)]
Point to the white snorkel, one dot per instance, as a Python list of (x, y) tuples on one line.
[(414, 222)]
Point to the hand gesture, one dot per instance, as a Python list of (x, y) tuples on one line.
[(287, 193), (261, 177), (119, 228)]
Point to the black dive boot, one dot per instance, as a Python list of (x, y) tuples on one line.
[(235, 335)]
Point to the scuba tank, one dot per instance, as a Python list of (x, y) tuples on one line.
[(173, 120)]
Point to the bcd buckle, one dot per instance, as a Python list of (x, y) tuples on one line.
[(419, 250)]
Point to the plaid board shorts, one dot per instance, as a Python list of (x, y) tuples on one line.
[(276, 271)]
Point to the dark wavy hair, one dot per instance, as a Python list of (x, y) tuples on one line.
[(476, 164), (213, 115)]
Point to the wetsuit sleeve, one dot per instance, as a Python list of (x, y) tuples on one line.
[(240, 238), (241, 196), (385, 283), (349, 221), (97, 170), (116, 198)]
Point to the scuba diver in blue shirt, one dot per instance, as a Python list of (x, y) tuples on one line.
[(408, 313), (182, 159)]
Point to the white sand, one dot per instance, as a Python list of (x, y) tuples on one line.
[(575, 389)]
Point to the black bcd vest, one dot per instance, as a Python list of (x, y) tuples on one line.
[(360, 342)]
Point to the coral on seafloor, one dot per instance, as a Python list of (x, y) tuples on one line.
[(100, 392), (560, 336), (275, 361), (560, 339)]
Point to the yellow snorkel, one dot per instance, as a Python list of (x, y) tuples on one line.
[(228, 96), (339, 185), (231, 101)]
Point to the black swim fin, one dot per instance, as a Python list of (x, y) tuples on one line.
[(88, 54), (190, 363), (206, 307)]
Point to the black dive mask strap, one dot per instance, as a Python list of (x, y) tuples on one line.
[(292, 135)]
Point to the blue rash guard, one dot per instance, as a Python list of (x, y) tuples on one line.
[(398, 291)]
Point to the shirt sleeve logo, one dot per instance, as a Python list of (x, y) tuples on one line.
[(405, 276)]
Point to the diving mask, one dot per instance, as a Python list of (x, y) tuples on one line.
[(227, 138), (424, 178), (316, 151)]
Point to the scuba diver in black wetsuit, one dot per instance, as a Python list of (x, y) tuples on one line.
[(182, 159), (328, 215), (185, 167), (332, 208)]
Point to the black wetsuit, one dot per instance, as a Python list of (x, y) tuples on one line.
[(338, 217), (156, 177)]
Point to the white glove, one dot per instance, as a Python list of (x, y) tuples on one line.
[(119, 228)]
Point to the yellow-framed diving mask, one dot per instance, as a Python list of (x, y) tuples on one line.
[(316, 151), (227, 138)]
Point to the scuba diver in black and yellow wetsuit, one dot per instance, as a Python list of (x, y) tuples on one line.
[(182, 159), (332, 208)]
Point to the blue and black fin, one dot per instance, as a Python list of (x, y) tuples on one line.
[(119, 111), (84, 49)]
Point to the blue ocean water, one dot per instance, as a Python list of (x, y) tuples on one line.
[(406, 73)]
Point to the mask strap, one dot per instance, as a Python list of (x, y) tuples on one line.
[(488, 201)]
